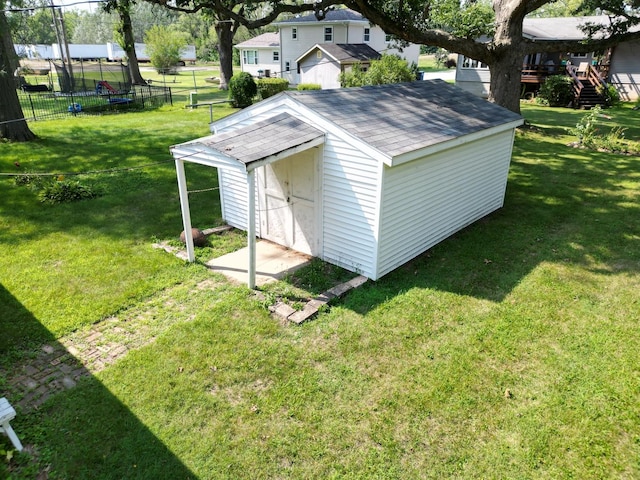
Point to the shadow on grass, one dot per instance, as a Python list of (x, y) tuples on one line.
[(562, 206), (101, 438)]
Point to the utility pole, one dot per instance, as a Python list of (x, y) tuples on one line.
[(66, 46), (58, 25)]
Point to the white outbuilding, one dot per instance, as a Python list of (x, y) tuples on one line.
[(364, 178)]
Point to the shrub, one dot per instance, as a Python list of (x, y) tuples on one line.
[(557, 91), (31, 180), (354, 77), (309, 86), (609, 93), (389, 69), (587, 127), (242, 89), (268, 87), (65, 191)]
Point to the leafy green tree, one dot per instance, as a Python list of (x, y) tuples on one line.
[(504, 46), (145, 15), (33, 25), (228, 16), (124, 35), (13, 125), (164, 46), (94, 27)]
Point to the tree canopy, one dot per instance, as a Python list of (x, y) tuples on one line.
[(490, 31), (504, 46)]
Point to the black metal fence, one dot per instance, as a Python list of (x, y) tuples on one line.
[(52, 105)]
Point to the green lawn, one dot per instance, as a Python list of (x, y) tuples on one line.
[(507, 351)]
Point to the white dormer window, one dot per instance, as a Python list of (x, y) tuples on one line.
[(294, 33), (367, 34), (328, 34)]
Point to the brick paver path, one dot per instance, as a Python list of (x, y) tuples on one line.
[(58, 365)]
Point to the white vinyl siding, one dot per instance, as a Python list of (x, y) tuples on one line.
[(234, 197), (625, 70), (350, 206), (429, 199)]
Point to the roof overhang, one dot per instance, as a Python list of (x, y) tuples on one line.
[(252, 146)]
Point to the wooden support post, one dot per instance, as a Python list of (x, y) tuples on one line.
[(251, 227), (184, 206)]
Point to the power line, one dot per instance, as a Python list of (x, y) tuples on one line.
[(93, 172), (42, 7)]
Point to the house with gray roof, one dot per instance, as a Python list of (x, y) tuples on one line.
[(298, 34), (260, 56), (323, 64), (619, 65), (364, 178)]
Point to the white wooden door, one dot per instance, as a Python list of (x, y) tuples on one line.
[(287, 199)]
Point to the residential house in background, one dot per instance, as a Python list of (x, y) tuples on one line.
[(260, 56), (299, 35), (619, 66)]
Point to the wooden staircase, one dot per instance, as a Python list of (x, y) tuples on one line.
[(586, 81)]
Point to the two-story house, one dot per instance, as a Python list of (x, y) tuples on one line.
[(299, 35)]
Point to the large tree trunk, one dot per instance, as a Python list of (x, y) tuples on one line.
[(13, 126), (507, 54), (225, 32), (129, 45), (505, 86)]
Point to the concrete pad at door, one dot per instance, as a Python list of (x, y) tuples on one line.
[(273, 262)]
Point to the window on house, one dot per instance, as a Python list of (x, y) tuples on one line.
[(328, 34), (276, 56), (294, 33), (367, 35), (287, 66), (473, 64), (579, 55), (250, 57), (387, 38)]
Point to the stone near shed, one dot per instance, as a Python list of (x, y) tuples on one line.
[(199, 238)]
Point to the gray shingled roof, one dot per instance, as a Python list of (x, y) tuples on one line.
[(559, 28), (400, 118), (269, 39), (340, 15), (350, 52), (262, 139)]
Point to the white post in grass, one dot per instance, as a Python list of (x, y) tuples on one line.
[(184, 206), (251, 227)]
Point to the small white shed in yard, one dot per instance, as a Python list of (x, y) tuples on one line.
[(364, 178)]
